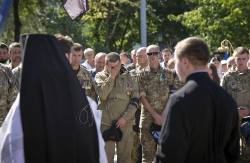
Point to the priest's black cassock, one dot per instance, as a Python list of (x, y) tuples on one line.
[(58, 125)]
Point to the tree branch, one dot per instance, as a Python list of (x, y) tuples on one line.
[(114, 28), (124, 32)]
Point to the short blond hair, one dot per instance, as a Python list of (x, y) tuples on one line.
[(153, 46), (112, 57), (14, 44), (124, 54), (240, 50), (171, 61), (88, 50), (195, 49)]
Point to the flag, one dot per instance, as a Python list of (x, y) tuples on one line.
[(3, 13), (75, 8)]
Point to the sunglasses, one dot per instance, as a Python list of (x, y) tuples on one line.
[(114, 66), (153, 53)]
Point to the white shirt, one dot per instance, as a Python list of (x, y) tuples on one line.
[(11, 135), (162, 64), (87, 65), (98, 116)]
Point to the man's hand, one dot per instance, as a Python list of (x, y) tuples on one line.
[(243, 111), (114, 71), (158, 118), (121, 122)]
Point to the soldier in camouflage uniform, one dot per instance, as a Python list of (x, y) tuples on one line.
[(8, 91), (133, 57), (82, 74), (4, 58), (118, 99), (230, 62), (15, 54), (141, 60), (154, 93), (176, 83), (17, 74), (237, 83)]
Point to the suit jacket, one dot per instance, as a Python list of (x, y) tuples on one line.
[(200, 124)]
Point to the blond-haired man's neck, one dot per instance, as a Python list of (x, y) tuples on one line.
[(241, 69)]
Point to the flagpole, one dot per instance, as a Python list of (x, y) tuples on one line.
[(143, 24)]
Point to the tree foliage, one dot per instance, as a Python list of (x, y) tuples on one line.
[(54, 19), (28, 20), (158, 22), (114, 24), (216, 20)]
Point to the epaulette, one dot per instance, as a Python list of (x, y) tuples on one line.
[(6, 69), (84, 67), (123, 70)]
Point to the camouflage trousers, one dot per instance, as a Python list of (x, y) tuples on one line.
[(149, 146), (245, 151), (136, 143)]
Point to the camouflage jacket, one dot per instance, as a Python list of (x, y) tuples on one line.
[(17, 74), (237, 85), (115, 96), (135, 73), (131, 67), (232, 69), (176, 83), (8, 91), (84, 77), (154, 85)]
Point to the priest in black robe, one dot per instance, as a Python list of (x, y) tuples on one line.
[(201, 119), (58, 125)]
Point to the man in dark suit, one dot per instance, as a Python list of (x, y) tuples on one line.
[(201, 119)]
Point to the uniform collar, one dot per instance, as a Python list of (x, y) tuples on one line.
[(81, 70), (150, 69), (247, 71)]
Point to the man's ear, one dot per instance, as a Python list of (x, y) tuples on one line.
[(185, 62), (9, 54), (67, 55)]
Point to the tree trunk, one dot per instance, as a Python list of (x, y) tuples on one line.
[(17, 22), (114, 27), (107, 30), (96, 33), (124, 32)]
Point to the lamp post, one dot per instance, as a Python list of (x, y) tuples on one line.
[(159, 40), (227, 48), (143, 23)]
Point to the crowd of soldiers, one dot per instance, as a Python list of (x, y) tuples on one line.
[(132, 92)]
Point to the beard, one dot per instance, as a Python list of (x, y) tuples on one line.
[(152, 61), (17, 59)]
